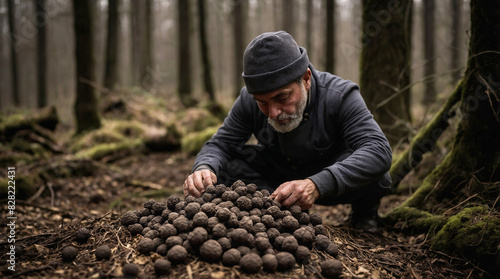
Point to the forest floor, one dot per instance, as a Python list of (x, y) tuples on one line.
[(47, 221)]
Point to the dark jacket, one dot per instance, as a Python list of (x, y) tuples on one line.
[(336, 119)]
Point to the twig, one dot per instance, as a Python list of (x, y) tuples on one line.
[(52, 195), (464, 201), (37, 194)]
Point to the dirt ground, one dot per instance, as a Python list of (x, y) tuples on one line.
[(47, 221)]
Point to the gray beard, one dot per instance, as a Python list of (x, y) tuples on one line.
[(295, 119)]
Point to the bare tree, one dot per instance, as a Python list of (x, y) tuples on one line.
[(429, 56), (239, 23), (86, 104), (141, 42), (111, 67), (184, 62), (456, 37), (41, 19), (13, 51), (309, 27), (288, 16), (207, 65), (330, 36)]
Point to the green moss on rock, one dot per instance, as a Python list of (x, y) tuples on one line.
[(414, 220), (193, 142), (98, 152)]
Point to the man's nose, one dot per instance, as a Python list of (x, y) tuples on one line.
[(274, 111)]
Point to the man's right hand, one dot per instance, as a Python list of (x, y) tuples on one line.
[(196, 183)]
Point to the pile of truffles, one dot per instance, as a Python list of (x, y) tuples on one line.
[(237, 225)]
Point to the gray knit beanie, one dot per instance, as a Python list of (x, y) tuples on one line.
[(271, 61)]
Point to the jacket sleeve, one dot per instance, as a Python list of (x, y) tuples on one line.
[(234, 133), (371, 158)]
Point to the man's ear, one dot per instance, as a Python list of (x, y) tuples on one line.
[(307, 79)]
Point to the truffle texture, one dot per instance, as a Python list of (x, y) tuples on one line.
[(331, 268), (257, 202), (322, 242), (265, 192), (251, 263), (162, 249), (158, 207), (244, 203), (208, 208), (315, 219), (286, 261), (191, 209), (302, 254), (146, 246), (135, 229), (262, 243), (167, 231), (69, 253), (177, 254), (304, 236), (180, 206), (212, 221), (82, 235), (172, 201), (290, 244), (274, 211), (130, 269), (230, 196), (272, 233), (320, 229), (220, 189), (149, 204), (173, 241), (181, 224), (129, 218), (162, 266), (198, 236), (211, 251), (232, 222), (290, 223), (210, 189), (268, 220), (219, 231), (304, 218), (269, 262), (333, 250), (231, 257), (225, 243), (151, 234), (246, 223), (223, 214), (200, 219), (295, 210), (207, 197), (259, 227), (241, 190), (189, 199), (237, 183), (172, 216), (103, 252), (239, 236), (244, 250), (278, 242)]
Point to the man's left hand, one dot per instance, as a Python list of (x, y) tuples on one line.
[(299, 192)]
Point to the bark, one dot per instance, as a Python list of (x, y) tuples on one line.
[(239, 48), (309, 28), (330, 36), (456, 38), (141, 43), (41, 52), (429, 56), (385, 64), (13, 51), (111, 67), (184, 62), (86, 104), (288, 16), (205, 57)]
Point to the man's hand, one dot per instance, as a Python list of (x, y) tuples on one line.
[(299, 192), (196, 183)]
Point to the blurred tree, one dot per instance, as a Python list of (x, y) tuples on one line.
[(288, 16), (385, 64), (456, 39), (13, 51), (41, 19), (111, 66), (86, 104), (142, 17), (239, 41), (429, 56), (309, 28), (184, 61), (205, 57), (330, 36)]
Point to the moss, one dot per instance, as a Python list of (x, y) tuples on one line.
[(25, 186), (102, 150), (193, 142), (414, 220), (194, 120), (473, 233)]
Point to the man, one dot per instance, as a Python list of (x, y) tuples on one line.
[(317, 141)]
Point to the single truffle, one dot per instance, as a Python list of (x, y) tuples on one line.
[(191, 209), (223, 214), (290, 223), (278, 242), (304, 218), (257, 202), (146, 246), (274, 211), (244, 203), (246, 223), (162, 266), (241, 190), (210, 189), (172, 216), (220, 190), (251, 188), (152, 234), (219, 231), (173, 241), (69, 253), (231, 257), (211, 251), (200, 219), (198, 236), (265, 192), (320, 229), (232, 222), (331, 268), (172, 201), (177, 254), (251, 263), (129, 218), (135, 229), (230, 196), (295, 210), (167, 231), (225, 243), (162, 249), (82, 235), (286, 261), (322, 242), (181, 224), (302, 254), (207, 197), (304, 236), (130, 269), (269, 262), (103, 252), (158, 207), (259, 227), (149, 204), (237, 183), (212, 221), (180, 206), (272, 233), (208, 208), (189, 199), (333, 250), (239, 236), (315, 219), (244, 250), (290, 244), (262, 243), (268, 220)]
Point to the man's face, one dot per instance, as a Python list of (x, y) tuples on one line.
[(285, 106)]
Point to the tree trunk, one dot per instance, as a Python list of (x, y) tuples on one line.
[(429, 56), (141, 43), (42, 18), (205, 57), (111, 67), (309, 28), (13, 51), (86, 104), (466, 183), (330, 36), (456, 38), (385, 64), (184, 62), (239, 48), (288, 16)]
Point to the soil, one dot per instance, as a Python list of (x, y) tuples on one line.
[(48, 221)]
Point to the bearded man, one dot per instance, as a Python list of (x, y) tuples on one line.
[(317, 142)]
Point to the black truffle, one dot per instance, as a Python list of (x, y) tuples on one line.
[(331, 268), (272, 233), (135, 229), (130, 270), (198, 236), (103, 252), (225, 243), (162, 249), (219, 231), (274, 211), (181, 224), (286, 261), (230, 196), (231, 257), (129, 218), (290, 244), (304, 236), (172, 201), (173, 241), (191, 209), (315, 219), (200, 219), (244, 203), (212, 221), (239, 236), (82, 235), (269, 262), (304, 218), (69, 253), (167, 231), (262, 243), (146, 246), (322, 242), (177, 254), (208, 208), (333, 250), (211, 250), (251, 263), (290, 223), (223, 214), (162, 266), (302, 254)]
